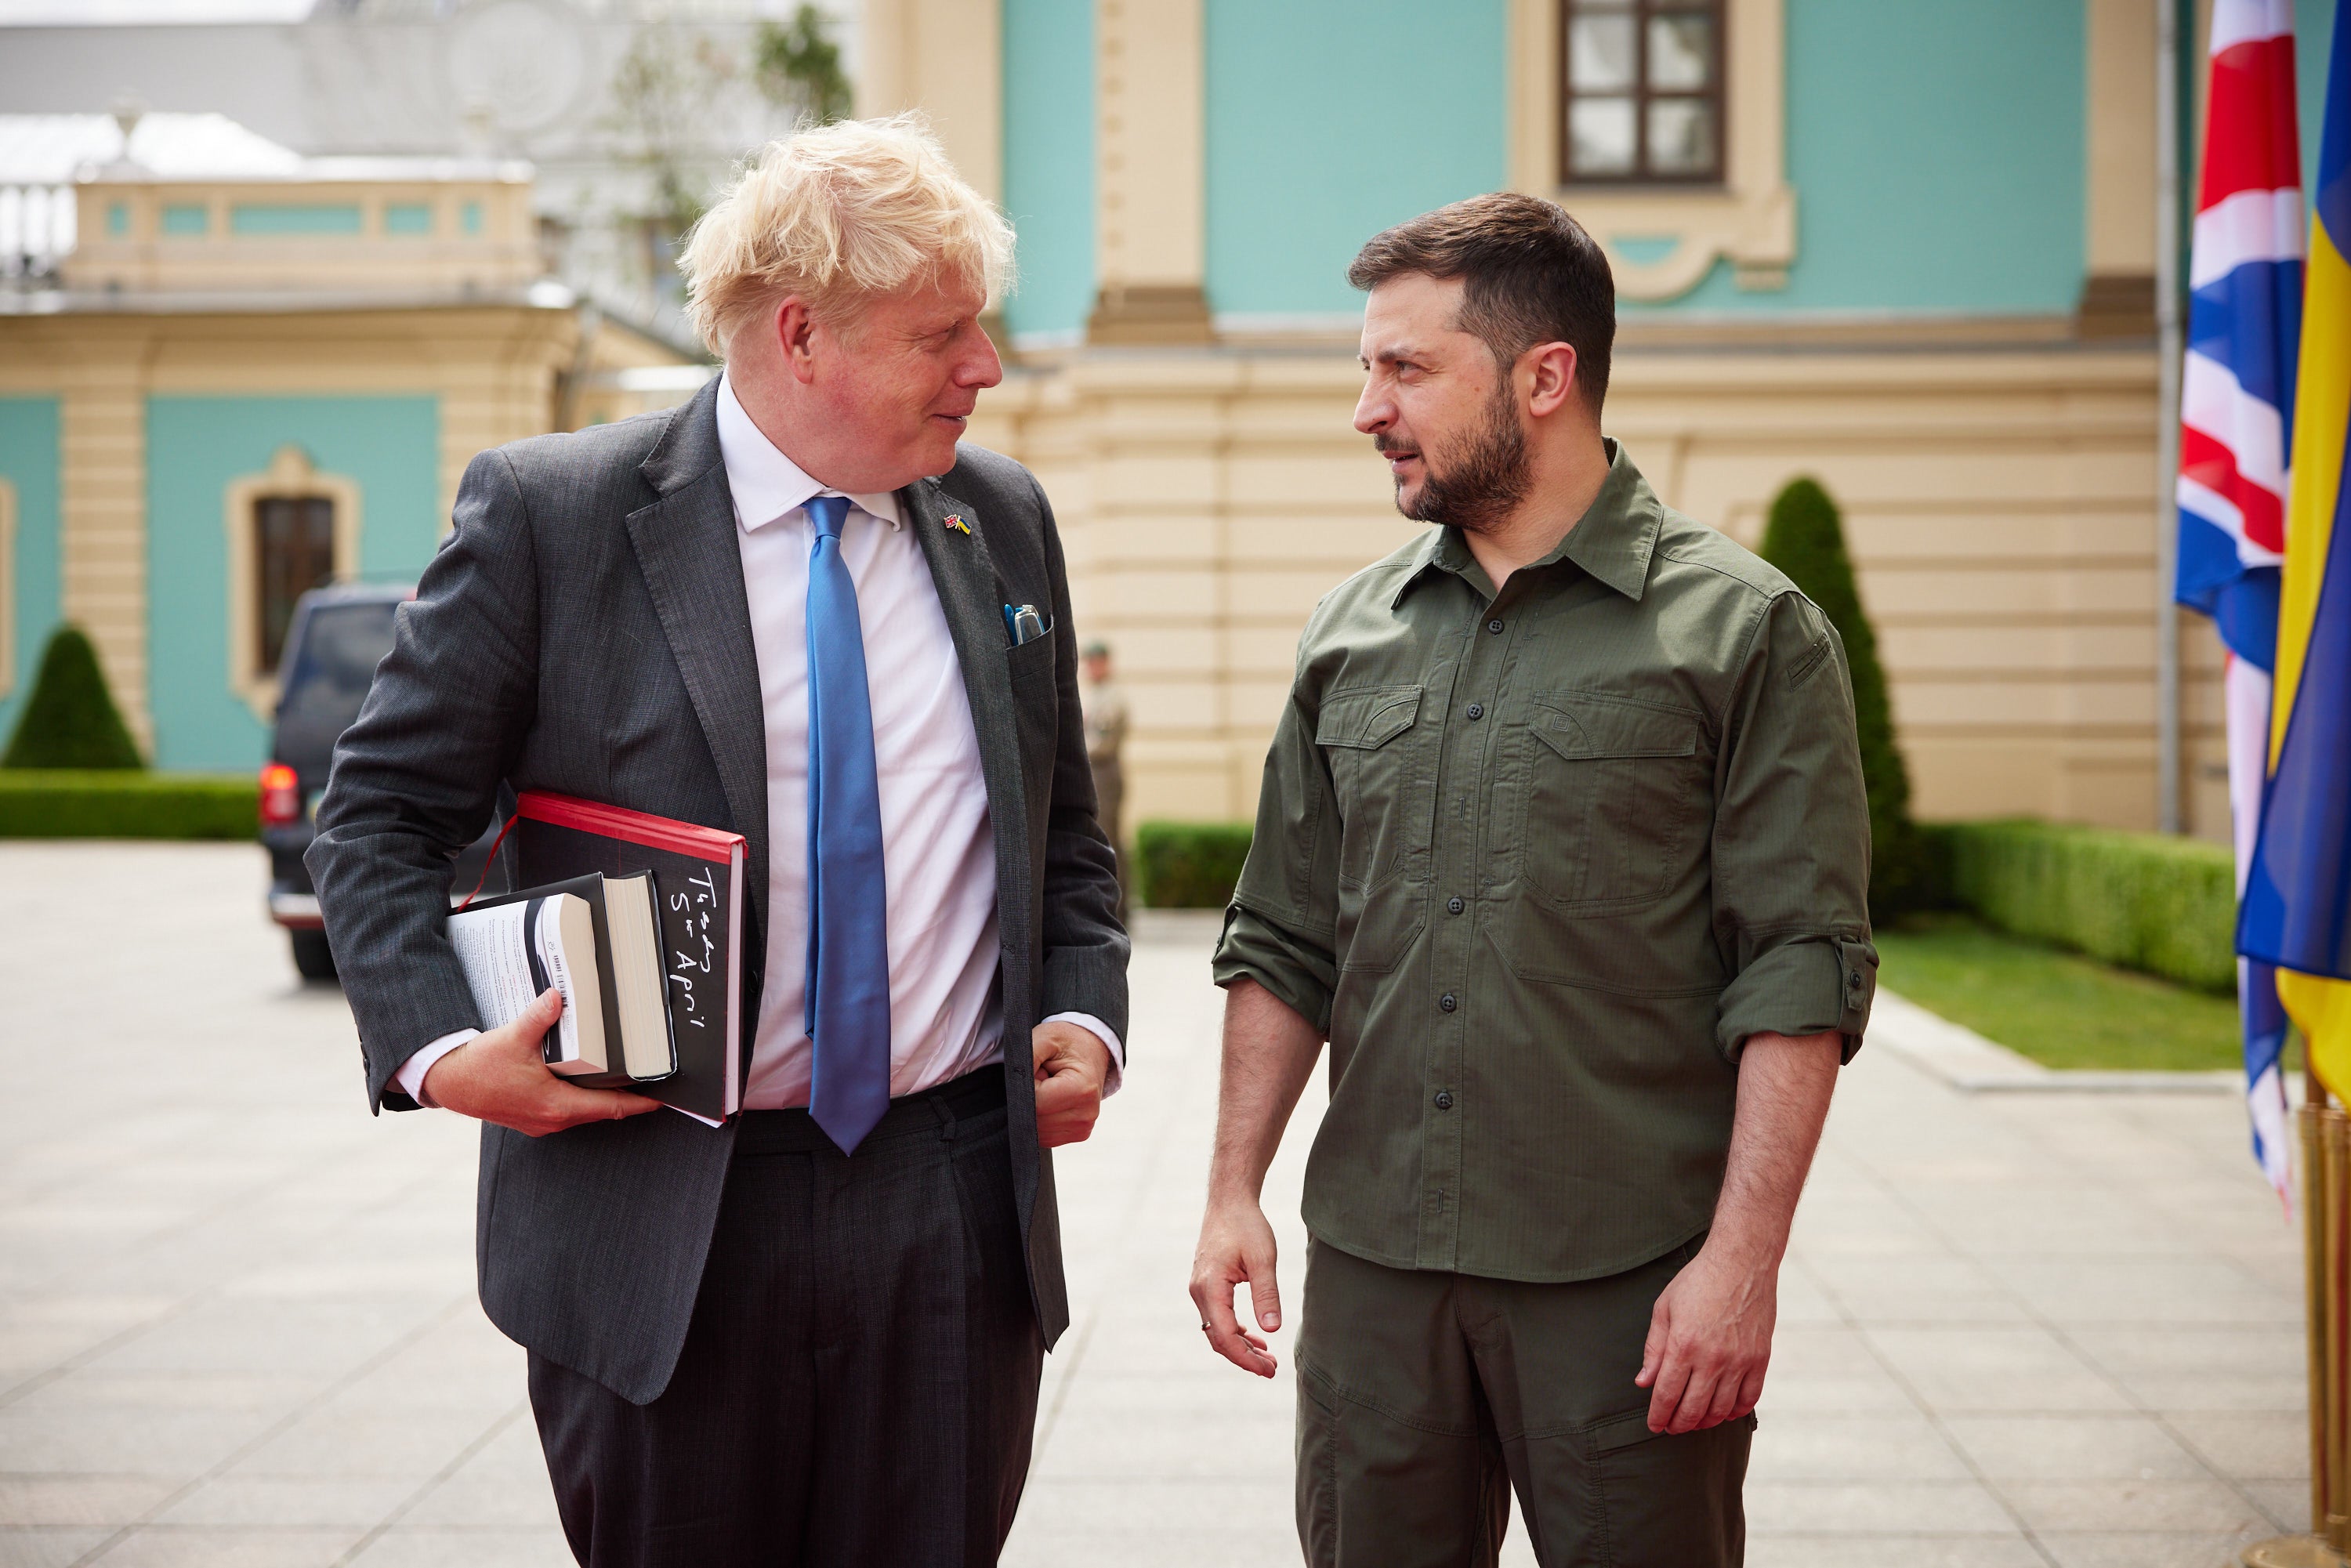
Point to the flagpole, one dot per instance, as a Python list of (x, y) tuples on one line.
[(2166, 424)]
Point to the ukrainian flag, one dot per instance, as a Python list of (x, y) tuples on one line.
[(2296, 912)]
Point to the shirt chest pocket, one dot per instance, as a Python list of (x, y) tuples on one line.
[(1612, 789), (1368, 738)]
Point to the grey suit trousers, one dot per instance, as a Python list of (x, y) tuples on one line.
[(858, 1382)]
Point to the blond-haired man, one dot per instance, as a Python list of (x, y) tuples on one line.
[(813, 1335)]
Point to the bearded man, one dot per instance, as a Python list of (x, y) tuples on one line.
[(1561, 845)]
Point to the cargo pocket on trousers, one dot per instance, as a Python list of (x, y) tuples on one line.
[(1668, 1500), (1318, 1470)]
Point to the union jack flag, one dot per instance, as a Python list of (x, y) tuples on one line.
[(2245, 330)]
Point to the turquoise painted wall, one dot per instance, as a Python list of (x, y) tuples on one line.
[(1049, 159), (389, 446), (1330, 120), (1937, 153), (2314, 37), (29, 462)]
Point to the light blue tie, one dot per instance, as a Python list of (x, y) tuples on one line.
[(848, 945)]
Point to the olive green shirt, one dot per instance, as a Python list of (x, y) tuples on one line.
[(1538, 864)]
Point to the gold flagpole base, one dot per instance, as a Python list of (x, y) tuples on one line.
[(2291, 1551)]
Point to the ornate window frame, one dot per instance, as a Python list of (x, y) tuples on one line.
[(1663, 239), (292, 477)]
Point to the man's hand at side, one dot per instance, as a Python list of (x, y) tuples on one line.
[(1710, 1340), (1072, 1065), (499, 1077), (1710, 1332), (1236, 1246), (1269, 1051)]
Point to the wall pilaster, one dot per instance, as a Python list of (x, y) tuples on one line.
[(103, 485), (1150, 218)]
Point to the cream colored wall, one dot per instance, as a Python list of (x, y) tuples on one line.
[(941, 57), (2119, 182), (1151, 159), (1999, 503), (492, 369)]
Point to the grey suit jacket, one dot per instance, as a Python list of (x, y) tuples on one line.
[(584, 629)]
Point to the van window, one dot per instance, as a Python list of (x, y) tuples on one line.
[(328, 672)]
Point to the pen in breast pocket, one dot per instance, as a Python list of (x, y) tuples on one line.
[(1023, 622)]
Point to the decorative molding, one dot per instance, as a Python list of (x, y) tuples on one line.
[(2116, 304), (7, 586), (290, 475), (1663, 240), (1159, 314)]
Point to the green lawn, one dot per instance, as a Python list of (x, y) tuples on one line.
[(2057, 1008)]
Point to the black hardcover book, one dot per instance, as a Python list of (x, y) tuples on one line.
[(698, 874), (591, 890)]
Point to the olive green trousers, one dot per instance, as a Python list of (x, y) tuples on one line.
[(1424, 1398)]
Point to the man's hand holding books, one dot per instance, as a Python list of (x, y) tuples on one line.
[(501, 1076)]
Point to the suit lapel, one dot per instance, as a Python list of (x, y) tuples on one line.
[(687, 548), (973, 599)]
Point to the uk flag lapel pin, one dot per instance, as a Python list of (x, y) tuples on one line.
[(955, 521)]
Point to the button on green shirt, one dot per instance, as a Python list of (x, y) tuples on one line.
[(1538, 862)]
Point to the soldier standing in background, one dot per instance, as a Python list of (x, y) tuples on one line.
[(1104, 706)]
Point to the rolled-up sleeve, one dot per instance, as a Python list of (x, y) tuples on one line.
[(1280, 928), (1792, 841)]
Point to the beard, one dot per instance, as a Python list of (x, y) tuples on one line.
[(1482, 481)]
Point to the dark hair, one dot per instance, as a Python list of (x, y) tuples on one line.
[(1531, 276)]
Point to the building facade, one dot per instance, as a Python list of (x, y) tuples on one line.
[(248, 372), (1905, 246)]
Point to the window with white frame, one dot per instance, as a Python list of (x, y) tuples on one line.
[(290, 529)]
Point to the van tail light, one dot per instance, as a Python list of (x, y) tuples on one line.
[(281, 796)]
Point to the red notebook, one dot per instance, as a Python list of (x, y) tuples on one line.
[(698, 884)]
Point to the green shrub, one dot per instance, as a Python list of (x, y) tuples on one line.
[(39, 803), (71, 720), (2144, 901), (1189, 865), (1805, 539)]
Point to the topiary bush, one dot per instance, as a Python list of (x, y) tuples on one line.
[(70, 720), (1189, 865), (1805, 539), (2146, 901)]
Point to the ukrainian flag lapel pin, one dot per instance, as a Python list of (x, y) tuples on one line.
[(955, 521)]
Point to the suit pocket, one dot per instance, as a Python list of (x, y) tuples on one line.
[(1033, 660), (1610, 788)]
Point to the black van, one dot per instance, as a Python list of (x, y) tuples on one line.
[(337, 636)]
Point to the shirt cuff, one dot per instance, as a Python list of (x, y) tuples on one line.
[(1802, 985), (1108, 1036), (411, 1075)]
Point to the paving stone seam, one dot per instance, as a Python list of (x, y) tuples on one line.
[(284, 1424), (1894, 1192), (1932, 1417), (409, 1504)]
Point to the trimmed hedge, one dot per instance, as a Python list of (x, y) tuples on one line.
[(70, 720), (79, 804), (1805, 539), (1189, 865), (2144, 901)]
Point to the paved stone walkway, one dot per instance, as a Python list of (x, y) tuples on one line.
[(237, 1325)]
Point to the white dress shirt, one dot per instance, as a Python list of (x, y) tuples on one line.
[(938, 848)]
